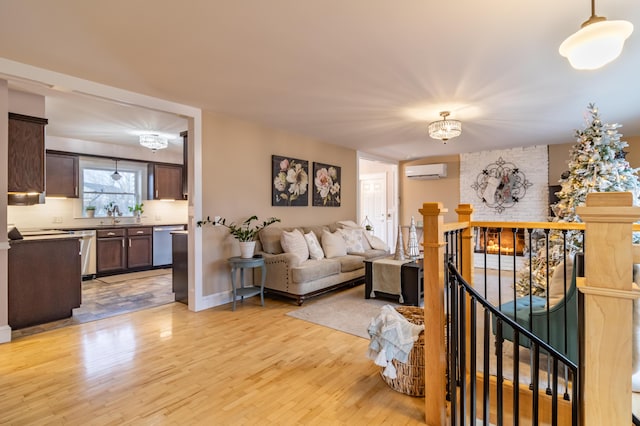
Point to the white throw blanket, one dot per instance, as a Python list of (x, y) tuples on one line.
[(392, 337)]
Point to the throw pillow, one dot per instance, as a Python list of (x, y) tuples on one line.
[(375, 242), (293, 242), (556, 285), (348, 224), (315, 250), (333, 244), (353, 239), (270, 239)]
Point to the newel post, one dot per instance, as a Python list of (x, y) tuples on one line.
[(434, 320), (465, 212), (606, 317)]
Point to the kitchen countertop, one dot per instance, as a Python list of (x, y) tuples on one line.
[(32, 238), (117, 225)]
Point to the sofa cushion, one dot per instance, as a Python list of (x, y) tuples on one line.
[(315, 229), (310, 270), (345, 224), (333, 244), (315, 250), (294, 242), (353, 239), (350, 263), (556, 285), (372, 253), (375, 242), (270, 240)]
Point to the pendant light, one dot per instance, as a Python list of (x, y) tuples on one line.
[(115, 175), (153, 142), (445, 129), (597, 43)]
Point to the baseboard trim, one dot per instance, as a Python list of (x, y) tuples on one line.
[(5, 334), (214, 300)]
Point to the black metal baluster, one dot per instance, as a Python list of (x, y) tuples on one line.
[(462, 305), (565, 324), (499, 379), (554, 397), (473, 367), (448, 327), (530, 298), (485, 373), (454, 349), (516, 378), (484, 231), (499, 230), (546, 292), (535, 376)]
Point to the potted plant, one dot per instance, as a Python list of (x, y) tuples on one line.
[(137, 210), (245, 233), (91, 211)]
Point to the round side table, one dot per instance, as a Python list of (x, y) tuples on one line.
[(239, 263)]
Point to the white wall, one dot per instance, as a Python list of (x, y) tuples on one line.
[(533, 162)]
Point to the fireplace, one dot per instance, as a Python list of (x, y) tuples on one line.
[(500, 241)]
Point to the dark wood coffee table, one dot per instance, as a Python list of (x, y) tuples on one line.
[(411, 282)]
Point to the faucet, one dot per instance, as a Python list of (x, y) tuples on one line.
[(115, 214)]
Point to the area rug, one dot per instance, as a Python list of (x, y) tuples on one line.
[(346, 310)]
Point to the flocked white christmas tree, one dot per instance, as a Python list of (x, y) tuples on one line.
[(597, 164)]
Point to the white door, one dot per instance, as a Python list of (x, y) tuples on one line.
[(373, 203)]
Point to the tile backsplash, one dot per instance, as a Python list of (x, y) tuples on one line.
[(66, 213)]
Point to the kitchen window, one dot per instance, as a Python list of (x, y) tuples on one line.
[(99, 189)]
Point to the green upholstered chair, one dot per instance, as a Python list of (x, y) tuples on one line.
[(535, 319)]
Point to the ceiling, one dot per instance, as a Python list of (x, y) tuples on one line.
[(369, 75)]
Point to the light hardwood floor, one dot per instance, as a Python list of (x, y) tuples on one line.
[(167, 365)]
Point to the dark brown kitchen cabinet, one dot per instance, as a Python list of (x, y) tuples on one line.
[(44, 280), (111, 250), (165, 182), (139, 247), (124, 249), (26, 154), (62, 175)]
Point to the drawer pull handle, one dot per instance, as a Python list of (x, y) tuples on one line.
[(139, 232), (111, 233)]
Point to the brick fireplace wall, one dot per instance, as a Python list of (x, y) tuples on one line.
[(533, 162)]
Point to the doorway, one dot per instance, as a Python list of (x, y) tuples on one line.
[(378, 200)]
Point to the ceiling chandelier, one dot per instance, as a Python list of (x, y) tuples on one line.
[(115, 175), (597, 43), (445, 129), (153, 142)]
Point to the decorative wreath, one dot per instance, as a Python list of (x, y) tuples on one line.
[(501, 185)]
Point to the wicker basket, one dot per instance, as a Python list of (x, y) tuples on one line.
[(410, 375)]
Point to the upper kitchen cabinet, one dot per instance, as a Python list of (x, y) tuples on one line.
[(62, 175), (165, 182), (26, 158)]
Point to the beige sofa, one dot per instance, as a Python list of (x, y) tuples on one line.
[(291, 275)]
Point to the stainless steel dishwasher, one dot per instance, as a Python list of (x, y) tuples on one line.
[(162, 244)]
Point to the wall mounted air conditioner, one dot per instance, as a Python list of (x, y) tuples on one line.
[(426, 171)]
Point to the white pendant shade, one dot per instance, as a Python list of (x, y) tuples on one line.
[(596, 44)]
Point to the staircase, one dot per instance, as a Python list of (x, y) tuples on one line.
[(465, 355)]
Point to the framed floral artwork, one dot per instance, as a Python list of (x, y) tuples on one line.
[(290, 181), (326, 181)]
